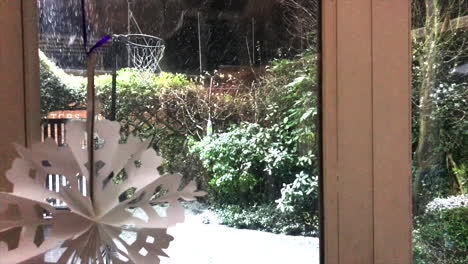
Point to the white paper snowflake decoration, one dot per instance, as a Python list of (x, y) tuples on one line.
[(98, 225)]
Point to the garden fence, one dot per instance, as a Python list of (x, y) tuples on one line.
[(55, 129)]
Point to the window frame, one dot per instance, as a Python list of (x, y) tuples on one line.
[(366, 126), (19, 75)]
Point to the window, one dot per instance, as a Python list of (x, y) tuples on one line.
[(228, 90)]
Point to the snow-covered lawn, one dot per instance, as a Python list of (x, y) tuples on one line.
[(198, 243)]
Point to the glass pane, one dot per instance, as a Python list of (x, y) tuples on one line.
[(440, 131), (227, 90)]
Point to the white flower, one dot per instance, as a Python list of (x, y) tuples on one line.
[(451, 202)]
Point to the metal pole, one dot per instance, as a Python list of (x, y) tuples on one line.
[(90, 115), (128, 30), (253, 40), (114, 81), (199, 43)]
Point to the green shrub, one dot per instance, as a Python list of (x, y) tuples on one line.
[(170, 108), (249, 164), (273, 158), (300, 196), (171, 102), (235, 161), (288, 95), (441, 235), (267, 218), (244, 164), (59, 91)]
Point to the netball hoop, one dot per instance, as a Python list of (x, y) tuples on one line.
[(144, 54)]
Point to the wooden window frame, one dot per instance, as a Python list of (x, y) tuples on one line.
[(366, 87), (19, 80), (367, 131)]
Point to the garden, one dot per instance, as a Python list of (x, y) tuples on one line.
[(440, 132), (259, 163)]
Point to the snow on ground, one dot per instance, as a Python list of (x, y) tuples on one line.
[(198, 243)]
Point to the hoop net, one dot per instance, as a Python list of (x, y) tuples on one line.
[(145, 52)]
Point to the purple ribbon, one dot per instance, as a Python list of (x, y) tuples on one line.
[(99, 44)]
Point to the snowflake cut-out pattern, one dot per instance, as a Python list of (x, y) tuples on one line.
[(103, 229)]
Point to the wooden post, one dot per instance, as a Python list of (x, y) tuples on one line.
[(19, 80), (366, 131)]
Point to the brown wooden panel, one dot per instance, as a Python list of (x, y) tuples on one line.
[(31, 71), (329, 133), (354, 80), (11, 85), (391, 119), (366, 131)]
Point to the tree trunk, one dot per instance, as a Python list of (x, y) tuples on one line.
[(457, 175), (428, 62)]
